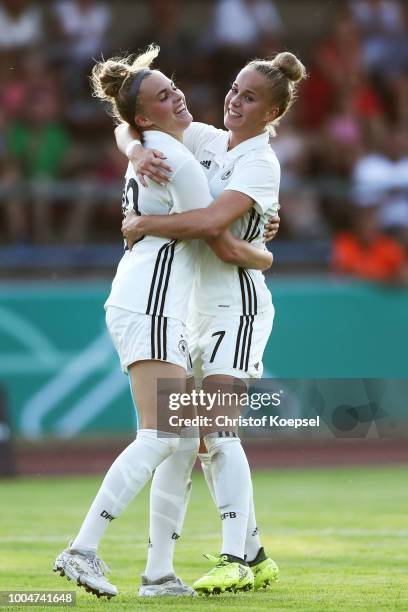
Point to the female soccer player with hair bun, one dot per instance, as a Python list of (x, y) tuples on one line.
[(231, 312), (147, 307)]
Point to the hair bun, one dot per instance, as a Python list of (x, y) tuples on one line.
[(290, 66), (112, 76)]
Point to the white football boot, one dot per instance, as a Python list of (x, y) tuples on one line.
[(87, 570), (169, 585)]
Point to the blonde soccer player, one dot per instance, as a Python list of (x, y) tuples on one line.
[(147, 307), (231, 311)]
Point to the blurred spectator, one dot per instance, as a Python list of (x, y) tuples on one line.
[(381, 178), (336, 148), (204, 91), (79, 36), (13, 90), (377, 15), (343, 103), (37, 145), (367, 253), (237, 30), (82, 25), (40, 80), (335, 67), (398, 96), (108, 175), (341, 137), (316, 93), (56, 141), (97, 171), (340, 53), (20, 24), (166, 28), (203, 102), (300, 215), (241, 23), (381, 24)]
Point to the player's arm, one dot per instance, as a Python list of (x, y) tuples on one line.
[(146, 162), (256, 183), (150, 162), (204, 223), (189, 189), (195, 214), (240, 253), (225, 245)]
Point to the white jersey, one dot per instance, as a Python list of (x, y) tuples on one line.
[(251, 168), (156, 276)]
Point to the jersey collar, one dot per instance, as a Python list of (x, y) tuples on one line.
[(219, 145), (257, 142)]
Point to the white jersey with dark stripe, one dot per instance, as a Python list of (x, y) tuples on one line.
[(251, 168), (155, 277)]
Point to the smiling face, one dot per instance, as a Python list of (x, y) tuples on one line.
[(247, 107), (163, 106)]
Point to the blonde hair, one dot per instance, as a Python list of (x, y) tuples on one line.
[(112, 81), (284, 71)]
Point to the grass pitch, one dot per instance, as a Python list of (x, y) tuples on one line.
[(338, 535)]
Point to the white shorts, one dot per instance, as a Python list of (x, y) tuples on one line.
[(138, 337), (232, 345)]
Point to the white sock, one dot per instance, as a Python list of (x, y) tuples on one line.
[(125, 478), (252, 540), (205, 459), (169, 495), (232, 486)]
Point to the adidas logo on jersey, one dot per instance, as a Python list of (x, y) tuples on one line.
[(206, 164)]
